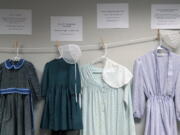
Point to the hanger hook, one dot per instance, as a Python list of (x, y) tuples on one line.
[(17, 48)]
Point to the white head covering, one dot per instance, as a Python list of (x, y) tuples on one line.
[(171, 38), (116, 75), (70, 53)]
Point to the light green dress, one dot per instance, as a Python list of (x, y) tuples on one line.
[(106, 110)]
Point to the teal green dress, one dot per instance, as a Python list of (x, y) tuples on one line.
[(62, 110)]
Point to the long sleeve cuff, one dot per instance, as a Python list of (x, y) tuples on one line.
[(137, 115), (178, 116)]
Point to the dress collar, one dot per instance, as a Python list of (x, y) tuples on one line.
[(168, 51), (115, 74), (10, 64)]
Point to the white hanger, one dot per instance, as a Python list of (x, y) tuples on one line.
[(172, 39), (17, 46), (102, 58)]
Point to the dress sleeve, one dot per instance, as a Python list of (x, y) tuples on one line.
[(129, 110), (138, 90), (177, 97), (44, 81), (34, 82)]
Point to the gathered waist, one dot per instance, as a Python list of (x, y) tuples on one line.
[(160, 102), (160, 98)]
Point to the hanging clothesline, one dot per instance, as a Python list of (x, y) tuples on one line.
[(83, 47)]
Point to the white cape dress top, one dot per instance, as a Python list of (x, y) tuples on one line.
[(106, 100)]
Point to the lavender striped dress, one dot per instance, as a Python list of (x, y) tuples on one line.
[(156, 88)]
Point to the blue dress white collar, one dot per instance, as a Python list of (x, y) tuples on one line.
[(10, 64)]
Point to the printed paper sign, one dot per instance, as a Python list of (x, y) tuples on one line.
[(66, 28), (165, 16), (113, 15), (15, 21)]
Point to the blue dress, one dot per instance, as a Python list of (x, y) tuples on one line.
[(19, 87), (156, 89), (61, 110)]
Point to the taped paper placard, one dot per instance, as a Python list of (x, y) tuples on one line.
[(16, 21), (165, 16), (66, 28), (115, 15)]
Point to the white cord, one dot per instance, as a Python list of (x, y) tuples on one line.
[(84, 47), (76, 94)]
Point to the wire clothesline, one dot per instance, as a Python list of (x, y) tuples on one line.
[(83, 47)]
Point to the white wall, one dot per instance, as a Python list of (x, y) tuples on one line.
[(43, 9)]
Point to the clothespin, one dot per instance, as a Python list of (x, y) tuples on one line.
[(102, 44), (158, 35), (58, 44)]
